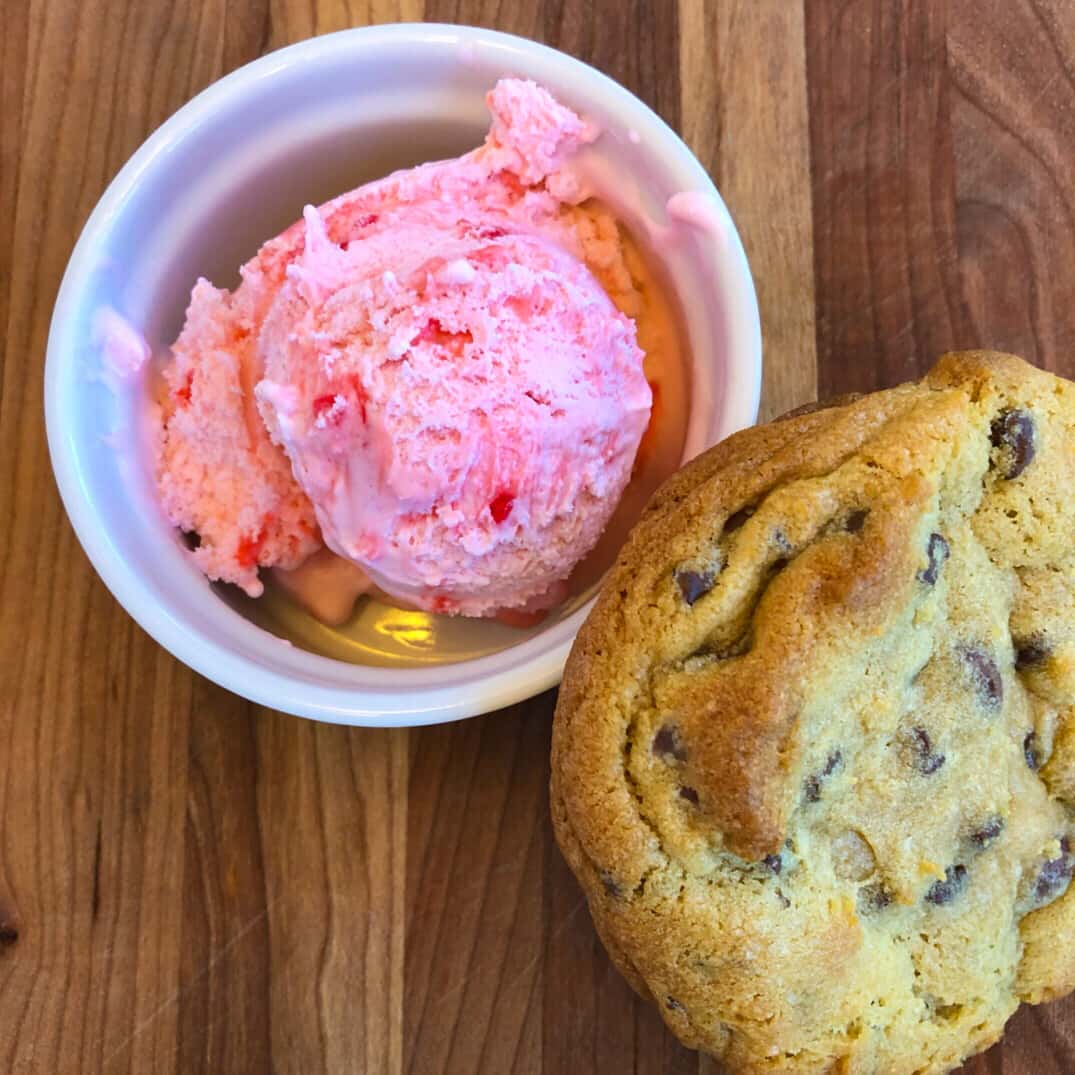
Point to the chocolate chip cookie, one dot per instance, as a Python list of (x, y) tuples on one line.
[(814, 754)]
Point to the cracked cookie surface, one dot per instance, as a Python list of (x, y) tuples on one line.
[(814, 753)]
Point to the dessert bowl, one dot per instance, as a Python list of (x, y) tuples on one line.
[(234, 167)]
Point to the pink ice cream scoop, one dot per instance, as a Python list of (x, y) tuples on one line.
[(463, 422), (440, 382)]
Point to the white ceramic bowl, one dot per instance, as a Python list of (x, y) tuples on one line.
[(231, 169)]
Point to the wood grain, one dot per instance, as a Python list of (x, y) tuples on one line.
[(752, 135), (189, 883), (332, 817), (1013, 123), (888, 290), (477, 843)]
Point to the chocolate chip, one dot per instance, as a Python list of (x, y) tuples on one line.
[(926, 760), (1055, 875), (942, 892), (855, 521), (812, 786), (694, 584), (873, 898), (690, 795), (931, 764), (9, 935), (985, 676), (1030, 750), (773, 862), (666, 744), (673, 1005), (737, 518), (936, 552), (1031, 651), (1012, 432), (982, 837)]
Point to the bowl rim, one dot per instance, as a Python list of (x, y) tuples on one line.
[(474, 686)]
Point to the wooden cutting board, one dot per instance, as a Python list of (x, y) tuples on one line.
[(189, 883)]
